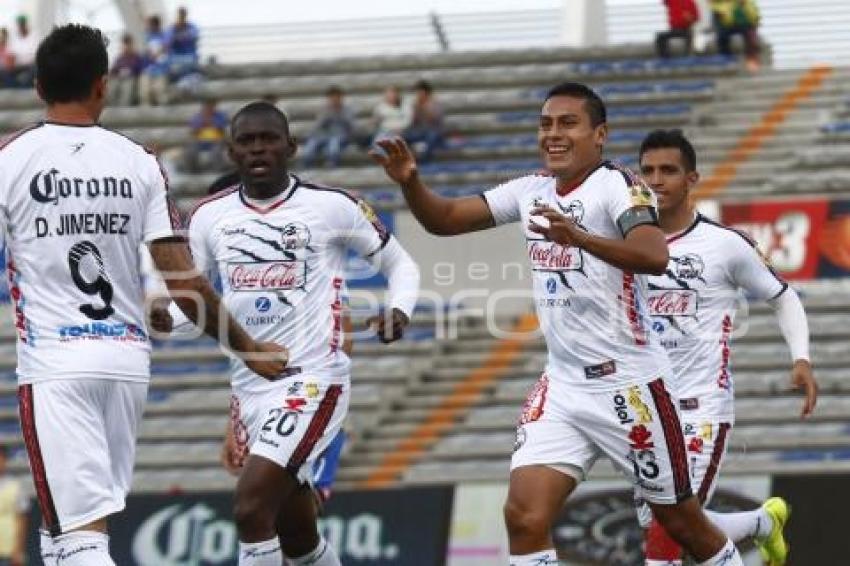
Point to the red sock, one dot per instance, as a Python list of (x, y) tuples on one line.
[(660, 545)]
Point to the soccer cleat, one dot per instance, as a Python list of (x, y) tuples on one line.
[(773, 548)]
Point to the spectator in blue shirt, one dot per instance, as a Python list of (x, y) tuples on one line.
[(182, 43), (153, 82)]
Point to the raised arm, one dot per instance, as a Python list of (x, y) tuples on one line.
[(440, 216), (172, 258)]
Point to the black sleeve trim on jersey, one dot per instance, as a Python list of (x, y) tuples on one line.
[(384, 242), (753, 245), (785, 287), (492, 216), (175, 239), (636, 216)]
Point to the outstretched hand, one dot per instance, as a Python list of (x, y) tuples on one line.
[(803, 379), (232, 456), (556, 227), (389, 329), (397, 159), (267, 359)]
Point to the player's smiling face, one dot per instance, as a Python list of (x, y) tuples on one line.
[(664, 171), (569, 143), (260, 148)]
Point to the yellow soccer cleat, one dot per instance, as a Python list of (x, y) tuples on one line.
[(773, 548)]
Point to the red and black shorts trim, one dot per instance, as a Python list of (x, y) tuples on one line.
[(26, 408), (675, 439), (714, 464), (315, 430)]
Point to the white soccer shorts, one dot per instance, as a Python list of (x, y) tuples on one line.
[(80, 436), (706, 442), (292, 423), (637, 427)]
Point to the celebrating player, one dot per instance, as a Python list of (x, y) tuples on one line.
[(280, 245), (77, 201), (591, 230), (693, 307)]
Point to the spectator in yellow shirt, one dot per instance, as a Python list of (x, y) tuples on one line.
[(737, 17), (14, 507)]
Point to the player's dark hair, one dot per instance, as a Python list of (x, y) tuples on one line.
[(670, 139), (262, 108), (592, 103), (69, 61)]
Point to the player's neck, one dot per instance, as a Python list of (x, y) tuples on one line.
[(267, 192), (676, 220), (567, 182), (72, 113)]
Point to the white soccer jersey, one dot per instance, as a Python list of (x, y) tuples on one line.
[(693, 307), (75, 203), (593, 315), (283, 269)]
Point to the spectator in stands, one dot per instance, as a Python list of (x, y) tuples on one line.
[(333, 130), (125, 72), (682, 16), (207, 149), (737, 17), (7, 59), (425, 132), (390, 116), (23, 47), (14, 509), (182, 46), (153, 82)]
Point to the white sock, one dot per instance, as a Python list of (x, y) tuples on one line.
[(48, 552), (323, 555), (743, 525), (663, 562), (82, 548), (266, 553), (542, 558), (728, 556)]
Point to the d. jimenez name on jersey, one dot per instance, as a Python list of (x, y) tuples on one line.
[(83, 223)]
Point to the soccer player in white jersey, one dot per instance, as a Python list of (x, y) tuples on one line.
[(693, 307), (591, 232), (280, 246), (76, 202)]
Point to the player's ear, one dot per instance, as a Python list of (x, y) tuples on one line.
[(38, 90), (600, 134), (99, 89), (230, 153), (292, 142), (692, 178)]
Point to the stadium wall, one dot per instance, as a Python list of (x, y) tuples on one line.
[(462, 526)]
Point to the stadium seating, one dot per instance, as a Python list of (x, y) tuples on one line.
[(491, 101)]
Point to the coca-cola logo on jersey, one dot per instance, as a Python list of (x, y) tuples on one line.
[(267, 276), (549, 256), (673, 302)]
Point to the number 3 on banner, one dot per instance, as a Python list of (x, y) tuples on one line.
[(100, 286)]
